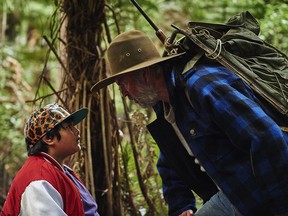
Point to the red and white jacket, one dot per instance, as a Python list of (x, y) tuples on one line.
[(42, 188)]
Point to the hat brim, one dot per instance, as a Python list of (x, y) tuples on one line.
[(107, 81), (77, 116)]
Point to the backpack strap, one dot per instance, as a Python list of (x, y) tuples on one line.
[(191, 63)]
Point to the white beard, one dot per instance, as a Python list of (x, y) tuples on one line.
[(146, 96)]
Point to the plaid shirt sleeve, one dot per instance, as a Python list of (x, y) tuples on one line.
[(223, 98), (178, 196)]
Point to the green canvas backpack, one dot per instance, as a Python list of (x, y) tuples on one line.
[(236, 46)]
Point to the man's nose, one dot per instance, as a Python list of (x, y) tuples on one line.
[(123, 90)]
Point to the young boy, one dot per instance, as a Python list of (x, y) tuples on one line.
[(44, 185)]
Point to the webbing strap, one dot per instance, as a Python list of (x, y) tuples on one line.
[(192, 62)]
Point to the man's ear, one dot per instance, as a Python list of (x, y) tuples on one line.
[(48, 141)]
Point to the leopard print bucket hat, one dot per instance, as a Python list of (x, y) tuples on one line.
[(46, 118)]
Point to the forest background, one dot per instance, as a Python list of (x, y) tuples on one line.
[(54, 51)]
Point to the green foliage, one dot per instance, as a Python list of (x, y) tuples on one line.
[(147, 156), (274, 25), (23, 52), (12, 140), (272, 16), (12, 146)]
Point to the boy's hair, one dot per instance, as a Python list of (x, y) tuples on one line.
[(41, 145)]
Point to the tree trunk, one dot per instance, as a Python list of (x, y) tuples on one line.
[(98, 161)]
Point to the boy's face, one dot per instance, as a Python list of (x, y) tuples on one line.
[(69, 142)]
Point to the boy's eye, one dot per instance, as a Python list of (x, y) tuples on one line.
[(68, 126)]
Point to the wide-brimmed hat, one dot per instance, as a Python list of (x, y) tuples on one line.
[(44, 119), (129, 52)]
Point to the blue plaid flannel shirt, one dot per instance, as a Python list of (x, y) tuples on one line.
[(241, 148)]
